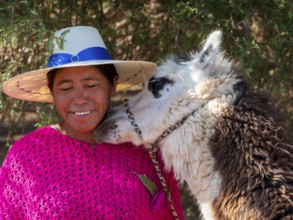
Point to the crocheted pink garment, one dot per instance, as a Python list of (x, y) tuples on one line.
[(47, 175)]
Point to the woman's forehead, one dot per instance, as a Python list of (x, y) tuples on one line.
[(84, 73)]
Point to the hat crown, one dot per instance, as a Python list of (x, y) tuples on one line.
[(72, 40), (77, 44)]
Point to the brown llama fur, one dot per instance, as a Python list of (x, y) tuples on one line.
[(253, 142)]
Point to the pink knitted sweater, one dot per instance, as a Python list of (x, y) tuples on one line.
[(47, 175)]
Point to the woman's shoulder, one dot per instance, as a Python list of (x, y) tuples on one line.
[(39, 137), (28, 144), (43, 132)]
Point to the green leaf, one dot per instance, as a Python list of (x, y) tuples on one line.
[(148, 183)]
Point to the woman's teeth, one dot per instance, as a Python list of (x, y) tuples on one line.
[(81, 113)]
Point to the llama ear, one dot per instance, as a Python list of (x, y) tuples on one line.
[(211, 53), (207, 59), (213, 41), (211, 47)]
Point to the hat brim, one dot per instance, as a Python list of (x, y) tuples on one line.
[(32, 86)]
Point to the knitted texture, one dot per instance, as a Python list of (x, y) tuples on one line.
[(47, 175)]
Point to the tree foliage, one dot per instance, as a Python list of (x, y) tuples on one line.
[(257, 34)]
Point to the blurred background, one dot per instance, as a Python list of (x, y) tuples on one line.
[(257, 34)]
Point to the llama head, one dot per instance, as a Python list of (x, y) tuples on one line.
[(178, 86)]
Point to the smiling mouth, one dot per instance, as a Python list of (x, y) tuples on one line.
[(81, 113)]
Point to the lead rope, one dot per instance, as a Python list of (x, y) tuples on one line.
[(152, 153)]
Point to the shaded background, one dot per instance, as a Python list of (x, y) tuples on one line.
[(257, 34)]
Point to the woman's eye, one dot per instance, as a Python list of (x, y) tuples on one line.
[(91, 86), (65, 89)]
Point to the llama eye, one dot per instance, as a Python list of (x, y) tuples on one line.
[(157, 84)]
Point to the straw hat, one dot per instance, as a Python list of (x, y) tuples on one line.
[(75, 46)]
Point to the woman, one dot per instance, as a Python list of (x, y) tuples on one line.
[(58, 171)]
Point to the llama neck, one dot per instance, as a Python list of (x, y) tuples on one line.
[(192, 162), (187, 151)]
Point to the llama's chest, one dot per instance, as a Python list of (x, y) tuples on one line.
[(187, 151)]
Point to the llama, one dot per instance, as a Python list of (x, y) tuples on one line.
[(232, 149)]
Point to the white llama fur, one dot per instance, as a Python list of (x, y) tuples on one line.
[(208, 84)]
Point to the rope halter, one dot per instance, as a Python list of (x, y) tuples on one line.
[(154, 147)]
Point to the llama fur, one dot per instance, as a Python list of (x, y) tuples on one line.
[(235, 152)]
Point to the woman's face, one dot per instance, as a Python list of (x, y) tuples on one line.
[(81, 96)]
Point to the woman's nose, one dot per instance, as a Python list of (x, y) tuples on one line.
[(80, 96)]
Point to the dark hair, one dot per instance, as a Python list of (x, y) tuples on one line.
[(108, 70)]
